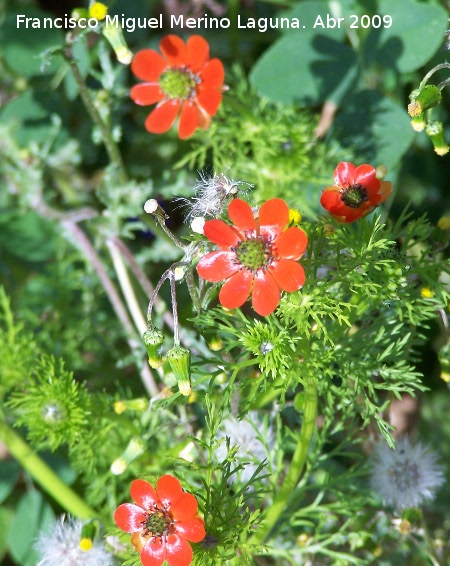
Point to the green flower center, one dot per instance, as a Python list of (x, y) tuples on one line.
[(354, 196), (158, 523), (253, 254), (178, 83)]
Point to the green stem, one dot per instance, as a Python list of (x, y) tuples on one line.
[(292, 478), (111, 146), (44, 475)]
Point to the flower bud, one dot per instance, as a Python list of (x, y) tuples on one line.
[(428, 97), (98, 11), (179, 359), (114, 36), (136, 447), (139, 405), (418, 123), (153, 339), (435, 131)]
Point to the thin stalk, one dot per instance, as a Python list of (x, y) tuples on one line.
[(111, 146), (173, 296), (44, 475), (127, 288), (119, 308), (294, 473)]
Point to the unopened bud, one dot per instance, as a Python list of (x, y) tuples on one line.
[(153, 340), (136, 447), (98, 11), (428, 97), (435, 131), (179, 359), (152, 207), (198, 225), (418, 123), (139, 404), (114, 36)]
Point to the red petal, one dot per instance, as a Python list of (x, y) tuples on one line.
[(363, 175), (217, 266), (213, 74), (197, 52), (143, 494), (236, 290), (154, 552), (204, 119), (192, 529), (220, 233), (343, 174), (288, 274), (188, 119), (148, 65), (185, 507), (242, 216), (162, 117), (129, 517), (291, 244), (174, 50), (266, 293), (146, 93), (178, 551), (331, 200), (273, 217), (168, 489), (209, 99)]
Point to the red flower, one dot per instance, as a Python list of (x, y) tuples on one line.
[(256, 256), (182, 78), (162, 522), (356, 194)]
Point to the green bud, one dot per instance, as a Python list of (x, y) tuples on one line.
[(179, 359), (413, 515), (136, 447), (428, 97), (418, 123), (115, 37), (435, 131), (153, 340)]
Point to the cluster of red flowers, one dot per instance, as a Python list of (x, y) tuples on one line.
[(183, 80), (161, 522)]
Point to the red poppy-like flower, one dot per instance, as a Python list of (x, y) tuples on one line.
[(161, 522), (356, 194), (257, 256), (183, 80)]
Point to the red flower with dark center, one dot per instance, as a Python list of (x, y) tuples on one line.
[(356, 194), (257, 256), (161, 522), (183, 80)]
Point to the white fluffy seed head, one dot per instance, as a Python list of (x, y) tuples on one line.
[(407, 475)]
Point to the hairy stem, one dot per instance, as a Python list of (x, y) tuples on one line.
[(294, 473), (111, 146), (44, 475)]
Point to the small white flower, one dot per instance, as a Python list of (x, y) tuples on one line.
[(407, 475), (60, 546), (246, 434), (198, 225), (151, 205)]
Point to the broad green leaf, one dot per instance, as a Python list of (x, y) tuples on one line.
[(302, 68), (5, 520), (30, 116), (416, 33), (32, 516), (9, 473), (23, 47), (376, 129)]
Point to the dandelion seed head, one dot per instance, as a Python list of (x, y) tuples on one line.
[(62, 545), (212, 195), (406, 476)]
